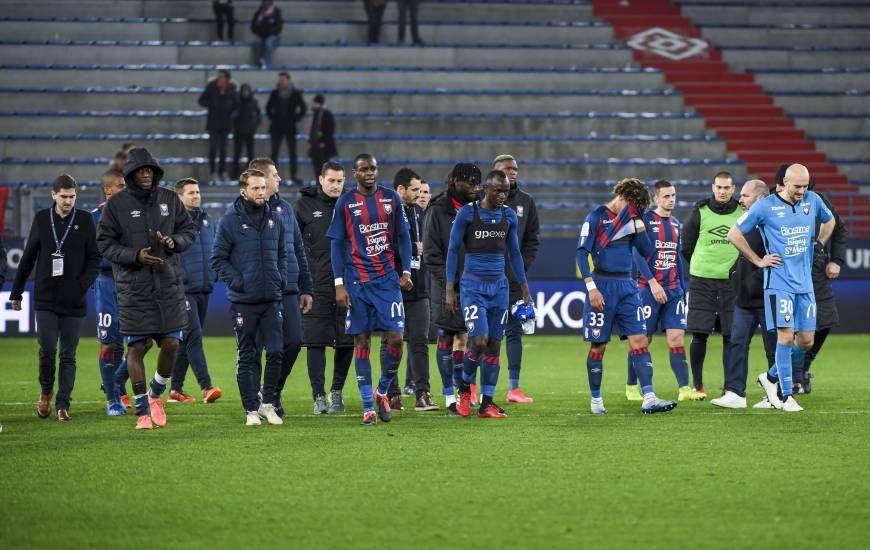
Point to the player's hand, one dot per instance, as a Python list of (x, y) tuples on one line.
[(658, 292), (770, 260), (342, 297), (16, 305), (450, 298), (306, 302), (405, 282), (167, 242), (832, 270), (527, 297), (419, 248), (596, 299), (145, 257)]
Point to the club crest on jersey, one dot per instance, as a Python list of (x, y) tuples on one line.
[(596, 333), (278, 209), (135, 213), (164, 209), (520, 210), (388, 208), (470, 325), (807, 210), (205, 223), (244, 227), (103, 333), (787, 317), (271, 224), (317, 214)]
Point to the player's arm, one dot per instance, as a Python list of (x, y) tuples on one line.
[(737, 236), (109, 241), (25, 265), (184, 230), (338, 236), (681, 267), (403, 236), (585, 246), (837, 257), (457, 235), (515, 255), (642, 265)]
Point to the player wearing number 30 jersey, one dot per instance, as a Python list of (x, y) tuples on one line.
[(487, 228), (608, 235), (787, 222)]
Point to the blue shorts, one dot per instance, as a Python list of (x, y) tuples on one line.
[(790, 310), (132, 339), (108, 331), (484, 306), (622, 307), (661, 317), (376, 305)]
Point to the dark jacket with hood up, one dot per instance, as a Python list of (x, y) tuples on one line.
[(150, 298)]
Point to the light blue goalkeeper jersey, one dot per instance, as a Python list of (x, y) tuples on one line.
[(788, 230)]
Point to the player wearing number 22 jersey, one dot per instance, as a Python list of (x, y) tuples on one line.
[(607, 237)]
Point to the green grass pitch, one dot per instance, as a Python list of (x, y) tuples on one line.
[(551, 475)]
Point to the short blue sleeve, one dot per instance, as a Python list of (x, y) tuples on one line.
[(751, 218), (823, 214)]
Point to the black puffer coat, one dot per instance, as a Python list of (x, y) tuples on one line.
[(150, 298)]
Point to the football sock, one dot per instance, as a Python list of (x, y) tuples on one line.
[(469, 367), (679, 366), (121, 376), (363, 367), (631, 379), (107, 373), (783, 368), (458, 363), (797, 361), (593, 370), (489, 374), (697, 353), (141, 399), (390, 361), (485, 401), (158, 385), (514, 348), (444, 359), (643, 367)]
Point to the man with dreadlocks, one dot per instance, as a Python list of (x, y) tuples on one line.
[(608, 236), (463, 183)]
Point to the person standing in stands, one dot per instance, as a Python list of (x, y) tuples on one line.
[(285, 108), (199, 280), (143, 229), (528, 232), (266, 26), (709, 253), (62, 247), (375, 14), (221, 99), (245, 128), (323, 325), (321, 134), (406, 6), (223, 14)]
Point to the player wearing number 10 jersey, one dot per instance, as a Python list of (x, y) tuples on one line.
[(787, 222), (662, 288), (367, 226), (608, 235)]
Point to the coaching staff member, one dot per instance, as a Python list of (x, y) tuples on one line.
[(250, 257), (143, 230), (323, 325), (62, 246), (709, 254)]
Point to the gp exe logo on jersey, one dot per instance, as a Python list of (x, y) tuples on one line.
[(667, 44)]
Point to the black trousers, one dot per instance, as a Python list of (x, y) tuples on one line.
[(217, 147), (255, 323), (316, 359), (417, 332), (223, 13), (190, 351), (375, 16), (239, 142), (277, 139), (744, 323), (50, 328), (404, 7)]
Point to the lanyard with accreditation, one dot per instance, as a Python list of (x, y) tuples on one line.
[(57, 256)]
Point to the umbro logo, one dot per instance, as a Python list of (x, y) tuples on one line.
[(135, 213), (317, 214), (720, 231)]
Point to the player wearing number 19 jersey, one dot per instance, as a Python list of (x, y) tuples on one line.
[(608, 236), (787, 223), (662, 288), (367, 226)]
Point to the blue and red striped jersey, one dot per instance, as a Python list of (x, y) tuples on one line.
[(665, 263), (368, 228), (609, 238)]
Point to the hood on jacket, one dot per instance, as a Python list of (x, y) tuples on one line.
[(137, 158)]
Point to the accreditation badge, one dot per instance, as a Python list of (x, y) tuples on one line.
[(57, 264)]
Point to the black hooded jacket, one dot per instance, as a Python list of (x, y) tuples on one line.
[(528, 235), (835, 251), (150, 298), (314, 214), (436, 237)]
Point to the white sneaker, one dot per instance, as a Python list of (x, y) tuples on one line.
[(770, 389), (763, 404), (791, 405), (597, 406), (252, 419), (267, 411), (730, 400)]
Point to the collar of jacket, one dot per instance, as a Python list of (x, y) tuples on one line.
[(719, 207)]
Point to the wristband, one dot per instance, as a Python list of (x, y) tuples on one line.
[(590, 286), (339, 281), (408, 273)]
